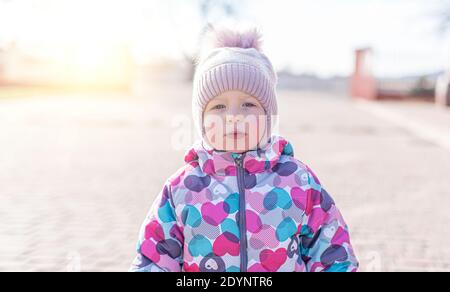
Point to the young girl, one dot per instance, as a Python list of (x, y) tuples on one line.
[(241, 202)]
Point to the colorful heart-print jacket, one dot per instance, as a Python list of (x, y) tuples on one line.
[(261, 211)]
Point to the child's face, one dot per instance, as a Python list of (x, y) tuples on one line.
[(234, 121)]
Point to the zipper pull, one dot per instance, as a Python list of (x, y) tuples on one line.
[(238, 158)]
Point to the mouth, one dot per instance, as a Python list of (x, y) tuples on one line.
[(236, 135)]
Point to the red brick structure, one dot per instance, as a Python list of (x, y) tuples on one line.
[(363, 83), (442, 91)]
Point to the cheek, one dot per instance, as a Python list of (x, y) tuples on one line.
[(213, 124), (257, 122), (210, 121)]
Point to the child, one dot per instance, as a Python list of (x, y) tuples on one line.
[(242, 202)]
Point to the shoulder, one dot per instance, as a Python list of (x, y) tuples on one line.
[(289, 164), (190, 171)]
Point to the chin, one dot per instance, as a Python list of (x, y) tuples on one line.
[(238, 145)]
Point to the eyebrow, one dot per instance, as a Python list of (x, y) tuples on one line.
[(214, 102)]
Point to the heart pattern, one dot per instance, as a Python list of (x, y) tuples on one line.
[(202, 213), (191, 216), (200, 246), (277, 197), (286, 229), (273, 260), (226, 243), (214, 214)]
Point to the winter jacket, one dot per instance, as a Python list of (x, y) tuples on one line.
[(259, 211)]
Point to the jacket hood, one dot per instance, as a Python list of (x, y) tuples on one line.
[(222, 163)]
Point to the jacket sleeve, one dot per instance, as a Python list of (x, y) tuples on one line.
[(324, 236), (142, 264), (161, 240)]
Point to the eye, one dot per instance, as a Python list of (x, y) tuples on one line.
[(218, 107), (249, 104)]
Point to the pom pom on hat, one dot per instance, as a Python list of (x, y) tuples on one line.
[(223, 36), (229, 35)]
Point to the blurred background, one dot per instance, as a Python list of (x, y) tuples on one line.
[(95, 115)]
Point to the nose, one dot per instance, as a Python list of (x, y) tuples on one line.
[(234, 114), (234, 118)]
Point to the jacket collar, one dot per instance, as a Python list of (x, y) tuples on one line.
[(222, 163)]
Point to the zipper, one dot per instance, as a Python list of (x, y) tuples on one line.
[(242, 210)]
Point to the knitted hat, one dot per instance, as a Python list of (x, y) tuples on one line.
[(233, 60)]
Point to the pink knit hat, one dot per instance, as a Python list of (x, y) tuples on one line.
[(233, 61)]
